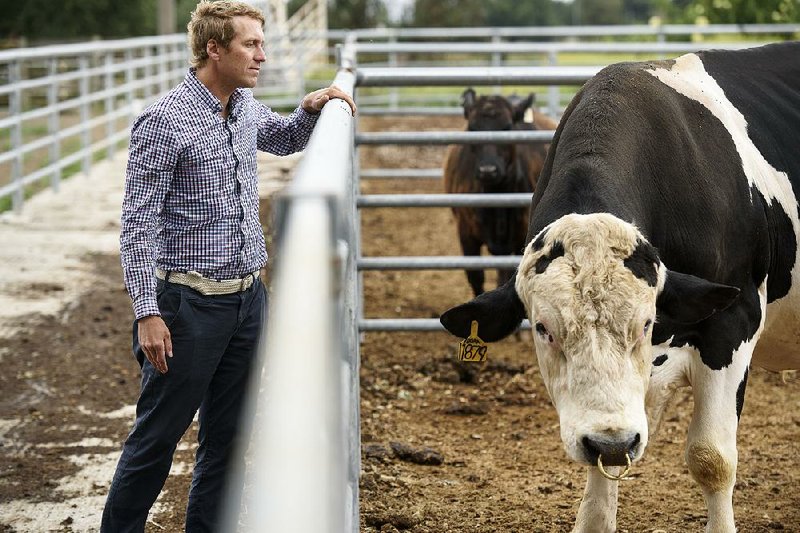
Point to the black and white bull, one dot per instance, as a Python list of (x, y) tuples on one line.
[(494, 168), (662, 252)]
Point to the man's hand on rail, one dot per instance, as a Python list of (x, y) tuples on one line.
[(314, 101)]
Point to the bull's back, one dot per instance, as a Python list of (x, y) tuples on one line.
[(762, 104), (755, 95), (700, 153)]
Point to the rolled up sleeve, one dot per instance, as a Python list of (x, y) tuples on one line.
[(281, 135), (152, 158)]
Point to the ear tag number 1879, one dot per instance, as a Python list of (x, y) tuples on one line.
[(472, 349)]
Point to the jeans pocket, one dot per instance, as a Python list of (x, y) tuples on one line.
[(170, 302)]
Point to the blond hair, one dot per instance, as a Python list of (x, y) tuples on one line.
[(214, 20)]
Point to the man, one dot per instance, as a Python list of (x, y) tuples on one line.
[(192, 248)]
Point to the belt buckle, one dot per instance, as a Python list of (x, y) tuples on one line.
[(248, 281)]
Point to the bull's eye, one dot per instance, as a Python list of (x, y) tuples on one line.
[(647, 326), (542, 331)]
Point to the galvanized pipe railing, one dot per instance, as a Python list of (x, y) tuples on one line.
[(305, 470), (102, 87), (438, 262), (490, 48), (455, 137), (508, 199), (655, 31), (458, 76)]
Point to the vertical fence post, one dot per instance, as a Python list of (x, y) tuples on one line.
[(497, 57), (15, 109), (554, 91), (297, 52), (179, 64), (163, 68), (394, 96), (109, 107), (86, 131), (147, 55), (53, 124), (129, 91)]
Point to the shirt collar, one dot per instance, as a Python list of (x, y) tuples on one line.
[(201, 92)]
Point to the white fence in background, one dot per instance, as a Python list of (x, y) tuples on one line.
[(296, 47), (62, 106)]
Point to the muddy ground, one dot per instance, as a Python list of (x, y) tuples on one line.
[(490, 456)]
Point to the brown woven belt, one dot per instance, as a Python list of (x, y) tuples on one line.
[(209, 287)]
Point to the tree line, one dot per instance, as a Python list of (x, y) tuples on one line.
[(42, 20), (355, 14)]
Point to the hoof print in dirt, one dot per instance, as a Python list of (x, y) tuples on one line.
[(376, 452), (467, 409), (440, 370), (390, 522), (420, 456), (467, 372)]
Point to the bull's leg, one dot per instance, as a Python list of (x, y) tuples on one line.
[(471, 247), (711, 445), (598, 510)]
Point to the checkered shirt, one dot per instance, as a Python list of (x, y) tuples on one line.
[(191, 186)]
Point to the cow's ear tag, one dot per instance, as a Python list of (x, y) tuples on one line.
[(472, 349)]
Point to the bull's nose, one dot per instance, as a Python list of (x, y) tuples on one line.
[(613, 448)]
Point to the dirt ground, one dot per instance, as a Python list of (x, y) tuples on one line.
[(445, 449)]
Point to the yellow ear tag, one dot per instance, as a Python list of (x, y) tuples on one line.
[(472, 349)]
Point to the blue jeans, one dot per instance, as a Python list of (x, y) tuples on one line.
[(215, 341)]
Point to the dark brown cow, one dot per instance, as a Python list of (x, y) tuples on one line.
[(494, 168)]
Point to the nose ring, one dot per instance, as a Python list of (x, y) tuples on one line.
[(612, 477)]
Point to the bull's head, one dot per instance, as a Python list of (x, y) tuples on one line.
[(493, 113), (592, 287)]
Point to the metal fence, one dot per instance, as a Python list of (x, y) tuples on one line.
[(64, 106), (67, 105), (307, 452), (656, 31), (530, 46)]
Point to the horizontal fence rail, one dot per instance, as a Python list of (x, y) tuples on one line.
[(656, 31), (409, 110), (477, 48), (410, 324), (422, 76), (394, 173), (508, 199), (439, 262), (456, 137), (307, 462)]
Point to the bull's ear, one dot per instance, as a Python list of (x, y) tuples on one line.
[(467, 100), (519, 108), (687, 299), (498, 312)]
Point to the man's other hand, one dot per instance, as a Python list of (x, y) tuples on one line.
[(314, 101)]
